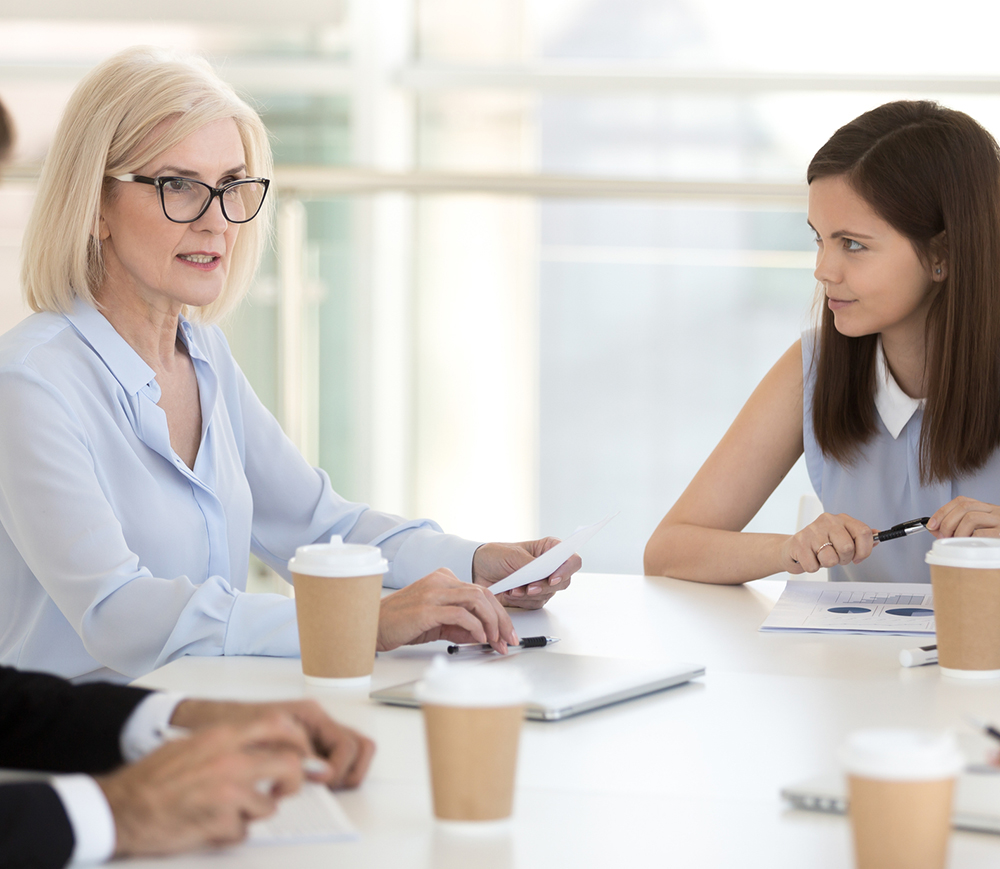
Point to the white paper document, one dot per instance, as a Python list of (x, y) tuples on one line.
[(311, 815), (548, 561), (807, 606)]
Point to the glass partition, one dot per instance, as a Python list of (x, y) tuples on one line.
[(530, 257)]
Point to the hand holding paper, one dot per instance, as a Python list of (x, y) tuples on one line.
[(546, 563)]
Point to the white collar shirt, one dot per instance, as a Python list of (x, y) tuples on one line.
[(894, 406)]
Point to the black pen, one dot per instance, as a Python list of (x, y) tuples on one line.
[(904, 529), (985, 726), (526, 643)]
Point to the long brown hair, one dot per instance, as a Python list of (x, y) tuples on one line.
[(933, 174), (6, 134)]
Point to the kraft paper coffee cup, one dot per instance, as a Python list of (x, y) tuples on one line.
[(965, 575), (472, 718), (338, 588), (900, 785)]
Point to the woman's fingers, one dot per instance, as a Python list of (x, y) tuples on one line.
[(841, 549), (441, 603), (979, 523), (965, 517), (829, 541)]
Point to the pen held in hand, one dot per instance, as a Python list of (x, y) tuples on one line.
[(526, 643), (904, 529)]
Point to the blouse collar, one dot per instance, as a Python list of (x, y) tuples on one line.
[(893, 405)]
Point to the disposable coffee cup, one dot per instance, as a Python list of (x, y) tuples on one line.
[(472, 718), (900, 786), (338, 588), (965, 576)]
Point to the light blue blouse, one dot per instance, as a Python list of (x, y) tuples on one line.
[(882, 488), (115, 557)]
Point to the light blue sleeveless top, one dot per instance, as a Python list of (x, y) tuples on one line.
[(882, 488)]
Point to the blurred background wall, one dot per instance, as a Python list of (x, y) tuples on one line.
[(531, 256)]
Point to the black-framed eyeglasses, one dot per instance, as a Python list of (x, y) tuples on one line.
[(184, 200)]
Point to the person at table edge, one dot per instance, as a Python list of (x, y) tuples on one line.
[(895, 398), (138, 469), (201, 788)]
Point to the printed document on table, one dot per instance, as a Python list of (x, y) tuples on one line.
[(549, 560), (311, 815), (807, 606)]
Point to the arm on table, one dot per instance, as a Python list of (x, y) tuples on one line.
[(34, 828), (47, 723), (701, 537)]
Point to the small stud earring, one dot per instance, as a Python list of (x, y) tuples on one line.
[(937, 271)]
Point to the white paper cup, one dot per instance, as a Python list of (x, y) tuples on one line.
[(900, 785), (338, 588), (472, 718), (965, 575)]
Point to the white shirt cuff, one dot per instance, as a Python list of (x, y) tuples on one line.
[(146, 728), (89, 815)]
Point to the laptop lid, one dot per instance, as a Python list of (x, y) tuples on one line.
[(976, 805), (563, 685)]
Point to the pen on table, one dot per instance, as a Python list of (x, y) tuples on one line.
[(918, 657), (526, 643), (310, 765), (985, 726), (904, 529)]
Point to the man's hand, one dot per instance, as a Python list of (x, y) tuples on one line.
[(204, 789), (495, 561), (442, 607), (347, 752)]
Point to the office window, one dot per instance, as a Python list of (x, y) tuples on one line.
[(531, 256)]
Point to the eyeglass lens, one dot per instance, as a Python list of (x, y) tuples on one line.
[(185, 200)]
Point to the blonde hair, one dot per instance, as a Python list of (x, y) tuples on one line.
[(106, 130)]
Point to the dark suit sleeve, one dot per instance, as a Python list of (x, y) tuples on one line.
[(34, 829), (47, 723)]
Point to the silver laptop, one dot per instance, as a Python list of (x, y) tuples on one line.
[(564, 685), (976, 805)]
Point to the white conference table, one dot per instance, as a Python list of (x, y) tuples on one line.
[(688, 777)]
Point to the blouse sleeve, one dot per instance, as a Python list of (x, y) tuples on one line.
[(295, 504)]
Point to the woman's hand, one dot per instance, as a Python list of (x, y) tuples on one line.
[(966, 517), (827, 542), (495, 561), (442, 607)]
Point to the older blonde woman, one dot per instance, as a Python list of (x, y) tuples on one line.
[(138, 469)]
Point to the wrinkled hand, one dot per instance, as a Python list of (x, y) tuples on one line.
[(827, 542), (442, 607), (206, 788), (495, 561), (965, 517), (347, 753)]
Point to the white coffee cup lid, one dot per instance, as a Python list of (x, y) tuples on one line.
[(978, 552), (337, 558), (902, 755), (473, 685)]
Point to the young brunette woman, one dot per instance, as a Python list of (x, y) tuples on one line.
[(895, 397)]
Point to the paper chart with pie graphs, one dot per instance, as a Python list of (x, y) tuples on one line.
[(805, 606)]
